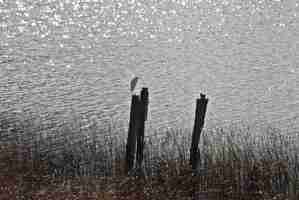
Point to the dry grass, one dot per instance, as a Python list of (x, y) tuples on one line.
[(75, 161)]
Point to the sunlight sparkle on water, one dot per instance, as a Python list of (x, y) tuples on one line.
[(152, 19)]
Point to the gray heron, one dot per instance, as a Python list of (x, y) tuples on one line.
[(133, 83)]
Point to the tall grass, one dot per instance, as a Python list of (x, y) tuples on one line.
[(235, 162)]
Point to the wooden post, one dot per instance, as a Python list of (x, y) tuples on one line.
[(142, 116), (200, 112), (131, 140)]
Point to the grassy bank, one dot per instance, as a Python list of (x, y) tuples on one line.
[(76, 160)]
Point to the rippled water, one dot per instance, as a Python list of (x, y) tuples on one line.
[(64, 56)]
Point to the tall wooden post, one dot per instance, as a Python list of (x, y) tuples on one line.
[(142, 116), (131, 140), (200, 112)]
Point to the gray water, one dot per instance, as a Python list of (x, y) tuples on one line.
[(60, 57)]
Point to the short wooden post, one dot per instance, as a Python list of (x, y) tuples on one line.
[(200, 112), (142, 116), (131, 140)]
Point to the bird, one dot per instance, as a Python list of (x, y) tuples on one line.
[(133, 83)]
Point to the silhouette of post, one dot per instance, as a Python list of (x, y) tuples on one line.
[(131, 140), (142, 117), (200, 112)]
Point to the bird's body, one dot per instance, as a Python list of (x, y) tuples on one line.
[(133, 83)]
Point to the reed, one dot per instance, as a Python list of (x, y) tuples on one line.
[(60, 158)]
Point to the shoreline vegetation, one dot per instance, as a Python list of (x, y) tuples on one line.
[(41, 160)]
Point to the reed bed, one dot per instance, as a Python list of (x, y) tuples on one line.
[(77, 159)]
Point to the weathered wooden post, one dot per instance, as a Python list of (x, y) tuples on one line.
[(200, 112), (131, 140), (142, 117)]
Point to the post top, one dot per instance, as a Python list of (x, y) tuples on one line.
[(144, 94)]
